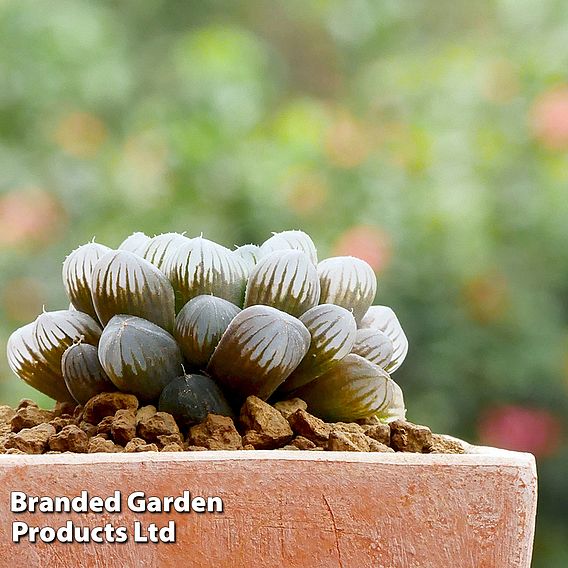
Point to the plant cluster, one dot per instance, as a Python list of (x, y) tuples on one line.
[(197, 328)]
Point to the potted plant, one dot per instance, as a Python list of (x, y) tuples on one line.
[(236, 408)]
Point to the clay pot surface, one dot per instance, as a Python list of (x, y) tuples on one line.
[(293, 509)]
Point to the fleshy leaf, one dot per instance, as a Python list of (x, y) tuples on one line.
[(286, 280), (295, 240), (353, 388), (27, 362), (333, 331), (384, 319), (200, 325), (250, 254), (190, 398), (83, 373), (161, 248), (374, 345), (125, 283), (348, 282), (393, 408), (77, 273), (138, 356), (135, 243), (257, 353), (204, 267)]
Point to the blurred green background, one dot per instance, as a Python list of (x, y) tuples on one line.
[(429, 138)]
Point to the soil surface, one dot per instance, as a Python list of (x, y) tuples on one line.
[(115, 422)]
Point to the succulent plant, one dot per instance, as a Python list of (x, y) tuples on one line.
[(249, 253), (204, 267), (259, 350), (286, 280), (26, 361), (160, 248), (266, 321), (190, 398), (383, 318), (200, 325), (374, 345), (83, 373), (138, 356), (125, 283), (136, 243), (353, 388), (77, 273), (333, 331), (348, 282), (294, 240)]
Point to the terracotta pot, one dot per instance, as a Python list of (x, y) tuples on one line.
[(285, 508)]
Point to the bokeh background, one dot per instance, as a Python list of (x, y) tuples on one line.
[(429, 138)]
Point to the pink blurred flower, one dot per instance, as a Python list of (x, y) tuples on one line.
[(368, 243), (520, 428), (549, 118), (29, 216)]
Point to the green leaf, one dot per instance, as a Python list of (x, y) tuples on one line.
[(286, 280), (125, 283), (190, 398), (83, 373), (138, 356), (294, 240), (27, 362), (200, 325), (333, 331), (353, 388), (159, 249), (383, 318), (374, 345), (77, 274), (204, 267), (348, 282), (257, 353)]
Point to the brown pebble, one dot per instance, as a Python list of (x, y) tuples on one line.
[(123, 426), (265, 427), (347, 442), (71, 438), (145, 412), (248, 447), (25, 402), (165, 440), (30, 440), (445, 445), (302, 443), (290, 447), (306, 425), (287, 407), (197, 449), (98, 444), (409, 437), (106, 404), (6, 414), (104, 426), (133, 444), (61, 408), (215, 433), (89, 429), (30, 416), (172, 448), (347, 427), (59, 422), (159, 424), (379, 432)]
